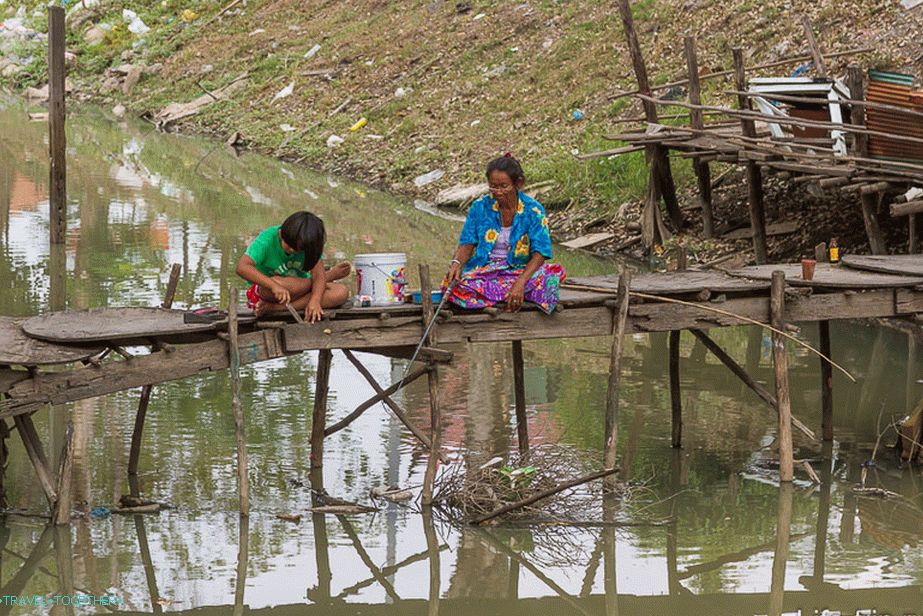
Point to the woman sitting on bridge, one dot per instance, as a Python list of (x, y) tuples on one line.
[(503, 247)]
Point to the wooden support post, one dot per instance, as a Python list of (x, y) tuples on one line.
[(4, 460), (754, 176), (243, 481), (661, 177), (872, 228), (697, 121), (826, 382), (912, 238), (243, 559), (855, 81), (137, 433), (676, 402), (434, 559), (319, 416), (429, 477), (782, 548), (780, 364), (519, 386), (619, 320), (33, 447), (57, 144), (61, 512)]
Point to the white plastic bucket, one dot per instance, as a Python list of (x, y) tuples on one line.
[(380, 278)]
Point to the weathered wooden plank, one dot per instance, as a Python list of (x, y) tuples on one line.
[(829, 276), (903, 265), (675, 283), (16, 348), (111, 377), (112, 325), (586, 241)]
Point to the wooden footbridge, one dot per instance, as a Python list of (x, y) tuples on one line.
[(61, 357)]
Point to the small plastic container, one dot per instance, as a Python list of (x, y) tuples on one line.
[(417, 296)]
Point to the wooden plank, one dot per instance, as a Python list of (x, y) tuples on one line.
[(779, 228), (92, 381), (590, 239), (829, 276), (904, 265), (676, 283), (16, 348), (113, 325)]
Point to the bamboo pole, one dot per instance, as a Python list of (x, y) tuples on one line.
[(61, 512), (137, 433), (432, 461), (826, 382), (619, 320), (57, 141), (696, 119), (243, 481), (780, 364), (519, 388), (676, 402), (754, 176), (379, 397)]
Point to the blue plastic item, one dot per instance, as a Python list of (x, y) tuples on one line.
[(100, 512), (418, 297), (577, 115)]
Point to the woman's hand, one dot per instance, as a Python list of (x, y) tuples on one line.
[(455, 270), (516, 296), (313, 312), (282, 295)]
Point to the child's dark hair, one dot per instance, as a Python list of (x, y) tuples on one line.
[(304, 232), (508, 165)]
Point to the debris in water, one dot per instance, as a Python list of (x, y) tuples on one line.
[(100, 512), (290, 517), (393, 494)]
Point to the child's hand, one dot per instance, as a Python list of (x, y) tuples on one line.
[(313, 312), (282, 295)]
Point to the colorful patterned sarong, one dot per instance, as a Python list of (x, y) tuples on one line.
[(485, 286)]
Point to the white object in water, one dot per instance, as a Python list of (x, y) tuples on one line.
[(380, 276)]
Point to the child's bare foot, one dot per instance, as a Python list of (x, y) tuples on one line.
[(263, 308), (340, 270)]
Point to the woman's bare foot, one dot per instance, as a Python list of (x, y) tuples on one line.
[(340, 270)]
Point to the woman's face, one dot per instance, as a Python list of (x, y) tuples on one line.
[(501, 186)]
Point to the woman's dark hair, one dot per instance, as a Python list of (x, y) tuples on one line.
[(304, 232), (508, 165)]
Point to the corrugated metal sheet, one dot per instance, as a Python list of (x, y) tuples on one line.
[(894, 89)]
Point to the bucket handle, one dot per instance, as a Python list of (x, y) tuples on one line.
[(387, 275)]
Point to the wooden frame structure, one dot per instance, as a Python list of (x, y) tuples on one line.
[(841, 163), (649, 303)]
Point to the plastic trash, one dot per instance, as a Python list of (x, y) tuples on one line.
[(287, 128), (100, 512), (284, 92), (577, 115), (189, 15), (135, 25), (428, 178), (400, 93), (312, 52), (358, 125), (334, 140)]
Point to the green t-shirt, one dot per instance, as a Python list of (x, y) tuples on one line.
[(271, 260)]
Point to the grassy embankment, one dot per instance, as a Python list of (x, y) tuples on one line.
[(476, 86)]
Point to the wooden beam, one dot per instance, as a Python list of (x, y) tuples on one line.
[(432, 460), (33, 447), (407, 380), (386, 398), (826, 382), (57, 140), (780, 363), (676, 402), (908, 208), (319, 414), (243, 480), (754, 177), (519, 393), (697, 121), (619, 329), (61, 512)]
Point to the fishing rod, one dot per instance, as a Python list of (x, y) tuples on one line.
[(429, 327)]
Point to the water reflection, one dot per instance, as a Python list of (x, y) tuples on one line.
[(710, 532)]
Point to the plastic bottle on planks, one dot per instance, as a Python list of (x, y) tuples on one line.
[(834, 252)]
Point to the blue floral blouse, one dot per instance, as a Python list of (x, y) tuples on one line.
[(529, 231)]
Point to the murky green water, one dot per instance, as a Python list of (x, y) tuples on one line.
[(708, 531)]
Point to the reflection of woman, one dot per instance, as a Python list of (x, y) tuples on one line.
[(503, 246)]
